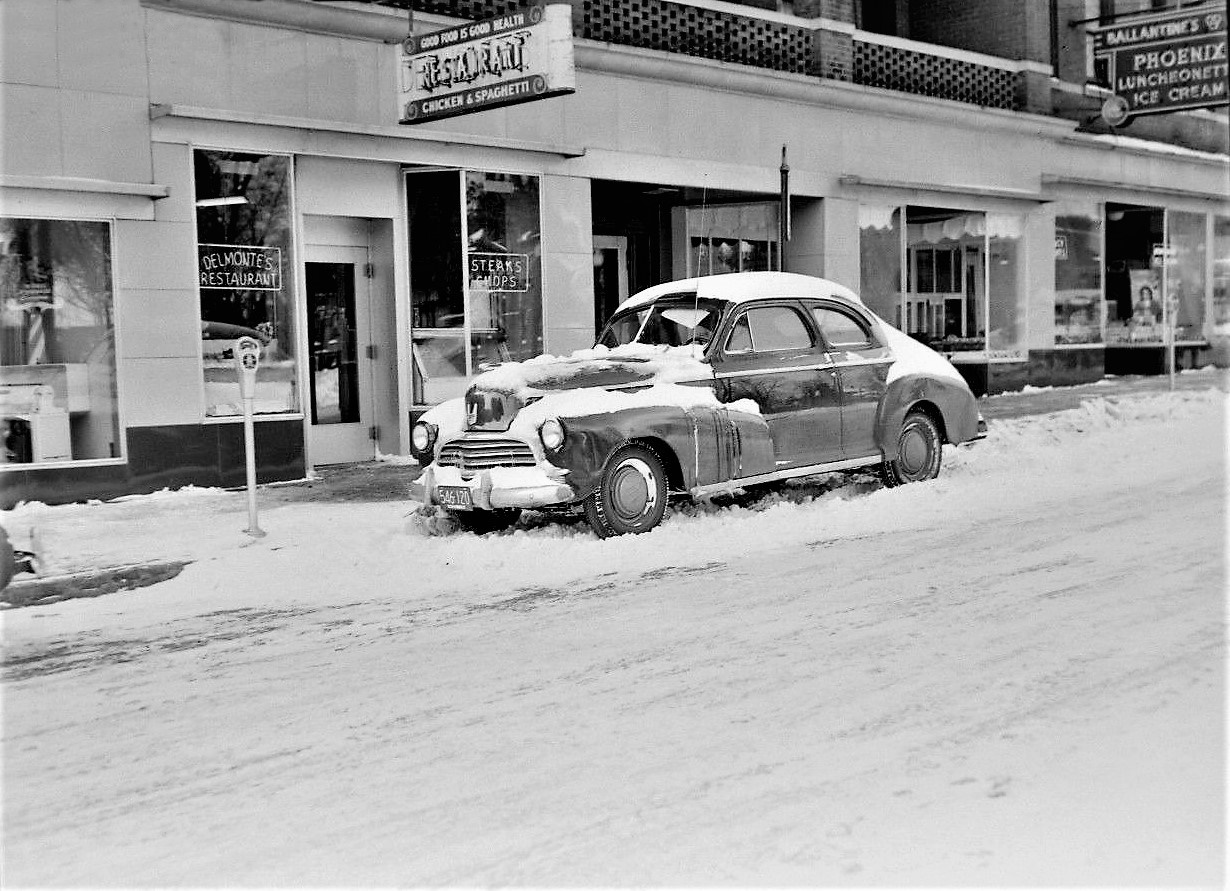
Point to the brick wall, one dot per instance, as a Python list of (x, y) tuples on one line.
[(1011, 29), (838, 10)]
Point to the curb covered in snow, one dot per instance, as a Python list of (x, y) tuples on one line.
[(88, 583)]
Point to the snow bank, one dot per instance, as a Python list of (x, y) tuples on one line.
[(347, 551)]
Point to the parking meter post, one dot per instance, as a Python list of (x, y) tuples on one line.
[(1167, 319), (247, 357)]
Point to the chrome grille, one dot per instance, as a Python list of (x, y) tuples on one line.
[(482, 453)]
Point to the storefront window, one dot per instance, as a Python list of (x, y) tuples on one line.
[(945, 301), (1078, 274), (1221, 275), (1185, 275), (880, 260), (1006, 288), (476, 288), (57, 342), (243, 219), (732, 238)]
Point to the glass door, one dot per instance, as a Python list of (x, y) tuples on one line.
[(610, 277), (339, 370)]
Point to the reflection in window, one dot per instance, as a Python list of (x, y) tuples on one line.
[(841, 330), (334, 369), (243, 223), (1185, 275), (57, 342), (1221, 275), (476, 279), (1079, 316), (880, 260)]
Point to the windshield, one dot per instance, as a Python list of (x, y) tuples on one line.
[(672, 321)]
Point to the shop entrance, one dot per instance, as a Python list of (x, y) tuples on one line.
[(610, 277), (340, 383), (1133, 282)]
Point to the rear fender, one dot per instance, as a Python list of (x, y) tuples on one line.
[(952, 400)]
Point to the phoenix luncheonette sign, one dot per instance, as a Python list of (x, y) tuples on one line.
[(519, 57), (1169, 62)]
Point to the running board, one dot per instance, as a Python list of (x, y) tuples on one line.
[(777, 475)]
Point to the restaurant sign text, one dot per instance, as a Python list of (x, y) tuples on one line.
[(519, 57), (1167, 63), (240, 266)]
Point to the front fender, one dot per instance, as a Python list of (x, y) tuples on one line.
[(957, 407), (708, 444)]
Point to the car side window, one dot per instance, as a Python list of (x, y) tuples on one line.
[(769, 329), (740, 339), (842, 330)]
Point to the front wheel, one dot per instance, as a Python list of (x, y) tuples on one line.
[(631, 495), (919, 448)]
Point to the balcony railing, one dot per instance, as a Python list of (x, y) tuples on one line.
[(891, 64), (712, 29)]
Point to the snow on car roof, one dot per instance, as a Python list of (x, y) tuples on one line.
[(736, 287)]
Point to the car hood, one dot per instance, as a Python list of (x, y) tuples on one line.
[(496, 396)]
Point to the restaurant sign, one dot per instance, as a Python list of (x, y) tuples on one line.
[(499, 272), (245, 267), (1168, 62), (514, 58)]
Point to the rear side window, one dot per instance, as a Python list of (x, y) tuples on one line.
[(769, 329), (842, 330)]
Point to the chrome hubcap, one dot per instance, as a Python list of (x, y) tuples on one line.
[(634, 489), (915, 451)]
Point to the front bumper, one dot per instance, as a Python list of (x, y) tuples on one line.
[(497, 487)]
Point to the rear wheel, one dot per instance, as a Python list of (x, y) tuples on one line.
[(919, 450), (631, 495), (480, 522)]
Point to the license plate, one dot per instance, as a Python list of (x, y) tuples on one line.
[(454, 496)]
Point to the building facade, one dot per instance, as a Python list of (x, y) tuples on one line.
[(180, 173)]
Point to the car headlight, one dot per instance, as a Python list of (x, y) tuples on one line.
[(552, 434), (423, 436)]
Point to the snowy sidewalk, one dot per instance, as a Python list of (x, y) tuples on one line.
[(98, 547)]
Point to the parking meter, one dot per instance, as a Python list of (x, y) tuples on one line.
[(247, 358)]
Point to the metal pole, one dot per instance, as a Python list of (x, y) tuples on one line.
[(249, 450), (783, 213), (1167, 319)]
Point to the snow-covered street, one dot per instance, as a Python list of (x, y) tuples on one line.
[(1013, 674)]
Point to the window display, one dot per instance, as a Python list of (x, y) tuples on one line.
[(476, 280), (243, 220), (1079, 316), (945, 299), (731, 238), (58, 399), (946, 277)]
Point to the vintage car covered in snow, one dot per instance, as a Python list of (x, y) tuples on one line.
[(694, 388)]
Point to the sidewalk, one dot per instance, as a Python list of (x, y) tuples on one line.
[(89, 550)]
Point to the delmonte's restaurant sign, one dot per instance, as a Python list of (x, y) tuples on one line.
[(514, 58), (1167, 62)]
